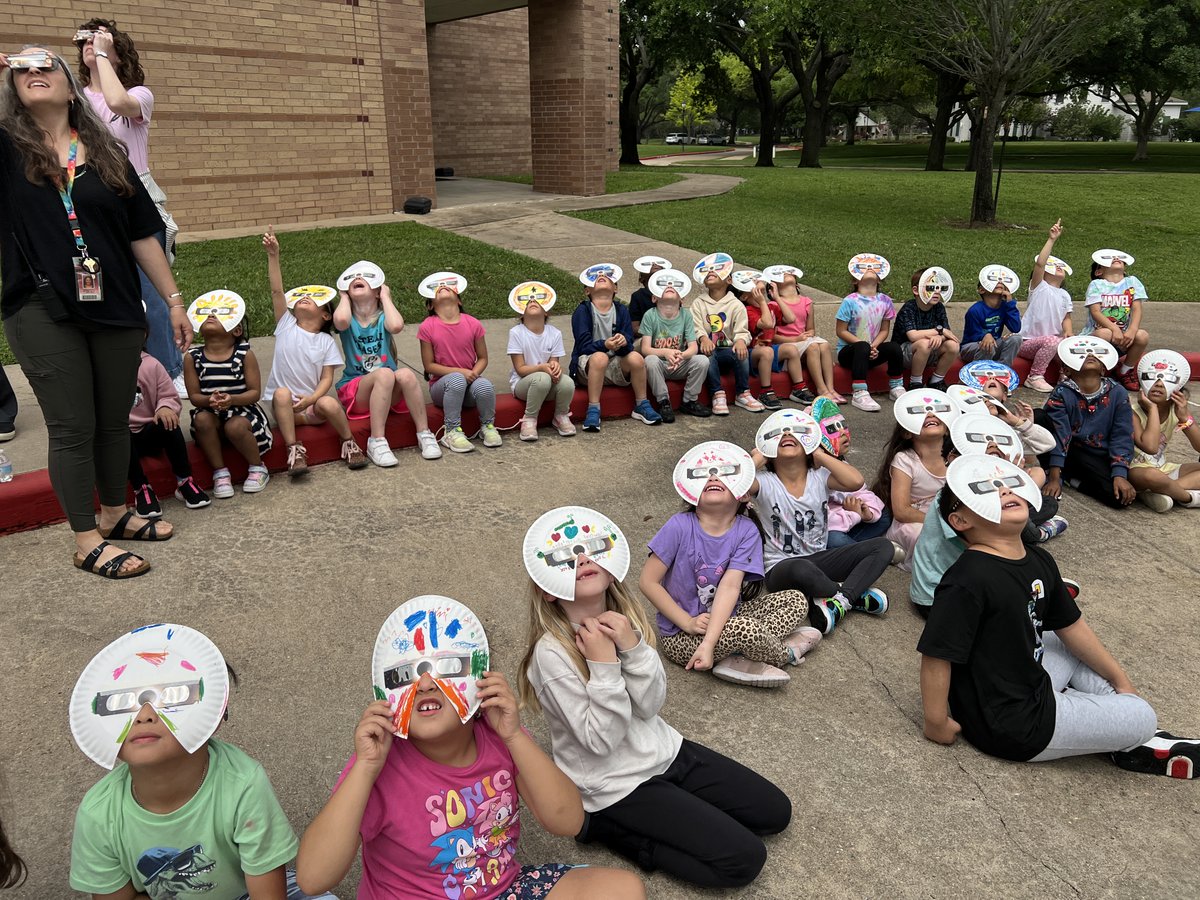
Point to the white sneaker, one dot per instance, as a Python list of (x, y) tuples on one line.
[(898, 554), (740, 670), (380, 453), (180, 387), (529, 429), (1193, 501), (491, 437), (457, 441), (897, 392), (720, 406), (1160, 503), (564, 425), (863, 400), (747, 400)]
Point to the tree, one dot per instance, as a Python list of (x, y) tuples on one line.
[(1080, 121), (1030, 112), (818, 46), (688, 105), (653, 35), (1186, 128), (652, 105)]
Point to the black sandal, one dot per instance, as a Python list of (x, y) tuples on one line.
[(147, 532), (112, 568)]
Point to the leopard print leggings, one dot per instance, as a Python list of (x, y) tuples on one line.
[(755, 631)]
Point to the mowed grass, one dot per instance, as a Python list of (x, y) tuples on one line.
[(629, 178), (818, 218)]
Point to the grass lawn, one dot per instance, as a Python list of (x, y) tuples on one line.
[(630, 178), (406, 251), (818, 219), (658, 148)]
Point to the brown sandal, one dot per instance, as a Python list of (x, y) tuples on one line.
[(148, 532), (112, 568)]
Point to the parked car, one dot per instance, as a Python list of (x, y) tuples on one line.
[(704, 139), (677, 137)]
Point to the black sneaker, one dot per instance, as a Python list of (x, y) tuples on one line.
[(664, 410), (191, 495), (693, 408), (802, 395), (770, 400), (146, 504), (1163, 754)]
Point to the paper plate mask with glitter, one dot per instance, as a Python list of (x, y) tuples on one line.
[(935, 281), (431, 284), (777, 272), (1053, 264), (431, 634), (835, 430), (319, 294), (800, 425), (665, 279), (719, 263), (729, 462), (1105, 257), (912, 407), (611, 271), (970, 399), (557, 538), (647, 263), (1163, 365), (745, 279), (1074, 351), (869, 264), (531, 292), (972, 432), (176, 669), (978, 480), (995, 277), (228, 307), (978, 373), (367, 271)]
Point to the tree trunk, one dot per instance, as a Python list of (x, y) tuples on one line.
[(949, 87), (851, 121), (814, 134), (1142, 153), (733, 124), (983, 204), (629, 120), (766, 132)]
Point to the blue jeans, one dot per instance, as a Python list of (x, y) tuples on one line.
[(724, 359), (863, 531), (160, 341)]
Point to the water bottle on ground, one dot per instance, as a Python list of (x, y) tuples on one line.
[(6, 468)]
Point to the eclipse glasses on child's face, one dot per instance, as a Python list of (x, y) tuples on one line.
[(23, 62)]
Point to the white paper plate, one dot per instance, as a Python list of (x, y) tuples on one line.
[(370, 272), (1074, 350), (969, 399), (911, 408), (1106, 257), (646, 263), (430, 284), (669, 278), (228, 307), (729, 462), (977, 480), (972, 432), (996, 276), (1171, 367), (935, 280), (776, 272), (531, 292), (555, 540), (787, 421)]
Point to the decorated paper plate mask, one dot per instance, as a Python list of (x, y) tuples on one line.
[(972, 433), (865, 264), (799, 425), (367, 271), (557, 538), (435, 635), (745, 279), (175, 669), (1106, 257), (431, 284), (531, 292), (611, 271), (776, 273), (650, 263), (978, 373), (669, 279), (1054, 264), (935, 284), (999, 279), (721, 264), (1074, 351), (319, 294), (970, 399), (912, 407), (1167, 366), (835, 430), (732, 465), (228, 307), (978, 480)]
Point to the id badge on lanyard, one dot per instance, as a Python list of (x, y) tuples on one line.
[(89, 280)]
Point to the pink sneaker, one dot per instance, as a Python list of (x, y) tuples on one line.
[(801, 641), (748, 401), (740, 670), (1039, 384), (563, 426), (720, 406), (529, 429)]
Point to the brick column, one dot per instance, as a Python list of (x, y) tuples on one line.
[(405, 76), (572, 44)]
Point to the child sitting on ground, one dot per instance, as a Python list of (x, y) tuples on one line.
[(1113, 303), (668, 344), (864, 321), (1047, 318), (643, 299), (988, 317), (373, 382), (998, 381), (603, 352), (923, 329), (536, 350), (797, 329), (1006, 657), (724, 330), (1160, 410)]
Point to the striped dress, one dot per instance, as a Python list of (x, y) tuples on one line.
[(229, 376)]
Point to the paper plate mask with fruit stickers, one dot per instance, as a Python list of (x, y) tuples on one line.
[(745, 279), (732, 465), (435, 635), (531, 292), (978, 480), (367, 271), (557, 538), (648, 263), (1074, 351), (997, 277), (800, 425), (970, 399), (913, 407), (865, 264), (1053, 264), (973, 432), (228, 307), (835, 430), (978, 373), (1167, 366), (611, 271), (319, 294), (720, 264), (669, 279), (431, 284), (175, 669), (935, 282)]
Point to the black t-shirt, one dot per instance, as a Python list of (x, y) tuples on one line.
[(912, 318), (108, 221), (987, 620), (641, 301)]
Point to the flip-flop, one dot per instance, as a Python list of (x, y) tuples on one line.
[(112, 568), (148, 532)]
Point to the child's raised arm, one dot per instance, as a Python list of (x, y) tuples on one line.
[(1039, 265), (278, 301), (393, 321), (1147, 437), (343, 313), (842, 476)]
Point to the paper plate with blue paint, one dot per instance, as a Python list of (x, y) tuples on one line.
[(435, 635), (745, 279), (558, 537), (978, 373), (611, 271), (720, 264)]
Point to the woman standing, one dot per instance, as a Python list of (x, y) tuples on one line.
[(81, 225)]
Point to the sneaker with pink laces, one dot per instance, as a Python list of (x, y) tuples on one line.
[(720, 406), (748, 401), (564, 426), (256, 480), (222, 485), (353, 455), (529, 429)]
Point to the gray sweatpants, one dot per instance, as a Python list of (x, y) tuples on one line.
[(451, 392), (691, 371), (1005, 350), (1091, 717)]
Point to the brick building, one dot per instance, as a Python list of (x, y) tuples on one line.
[(275, 111)]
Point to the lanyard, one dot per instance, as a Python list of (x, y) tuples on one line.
[(65, 194)]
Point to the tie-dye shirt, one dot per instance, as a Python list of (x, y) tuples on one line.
[(864, 316)]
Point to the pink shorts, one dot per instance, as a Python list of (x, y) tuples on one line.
[(347, 394)]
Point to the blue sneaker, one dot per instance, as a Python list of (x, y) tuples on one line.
[(591, 422), (874, 601), (825, 614), (644, 412)]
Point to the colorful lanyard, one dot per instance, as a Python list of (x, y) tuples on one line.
[(65, 194)]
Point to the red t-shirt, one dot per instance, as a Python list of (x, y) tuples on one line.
[(761, 337)]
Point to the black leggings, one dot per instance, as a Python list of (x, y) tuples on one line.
[(851, 569), (152, 440), (698, 821), (857, 358)]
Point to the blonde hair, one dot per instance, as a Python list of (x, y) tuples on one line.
[(549, 618)]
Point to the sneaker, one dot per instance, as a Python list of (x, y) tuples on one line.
[(644, 412), (898, 554), (190, 494), (1051, 528), (222, 485), (801, 641), (1129, 380), (769, 400), (825, 614), (665, 410), (491, 437), (146, 504), (455, 440), (1039, 384), (1163, 754), (1072, 587), (562, 424), (802, 395), (180, 386), (748, 401), (256, 480), (591, 421), (297, 460), (740, 670), (1193, 501), (1160, 503), (897, 392), (528, 429), (380, 453), (428, 444), (353, 455), (693, 408), (863, 400), (874, 602), (7, 432), (719, 405)]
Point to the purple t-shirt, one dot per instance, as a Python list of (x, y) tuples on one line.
[(696, 560)]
